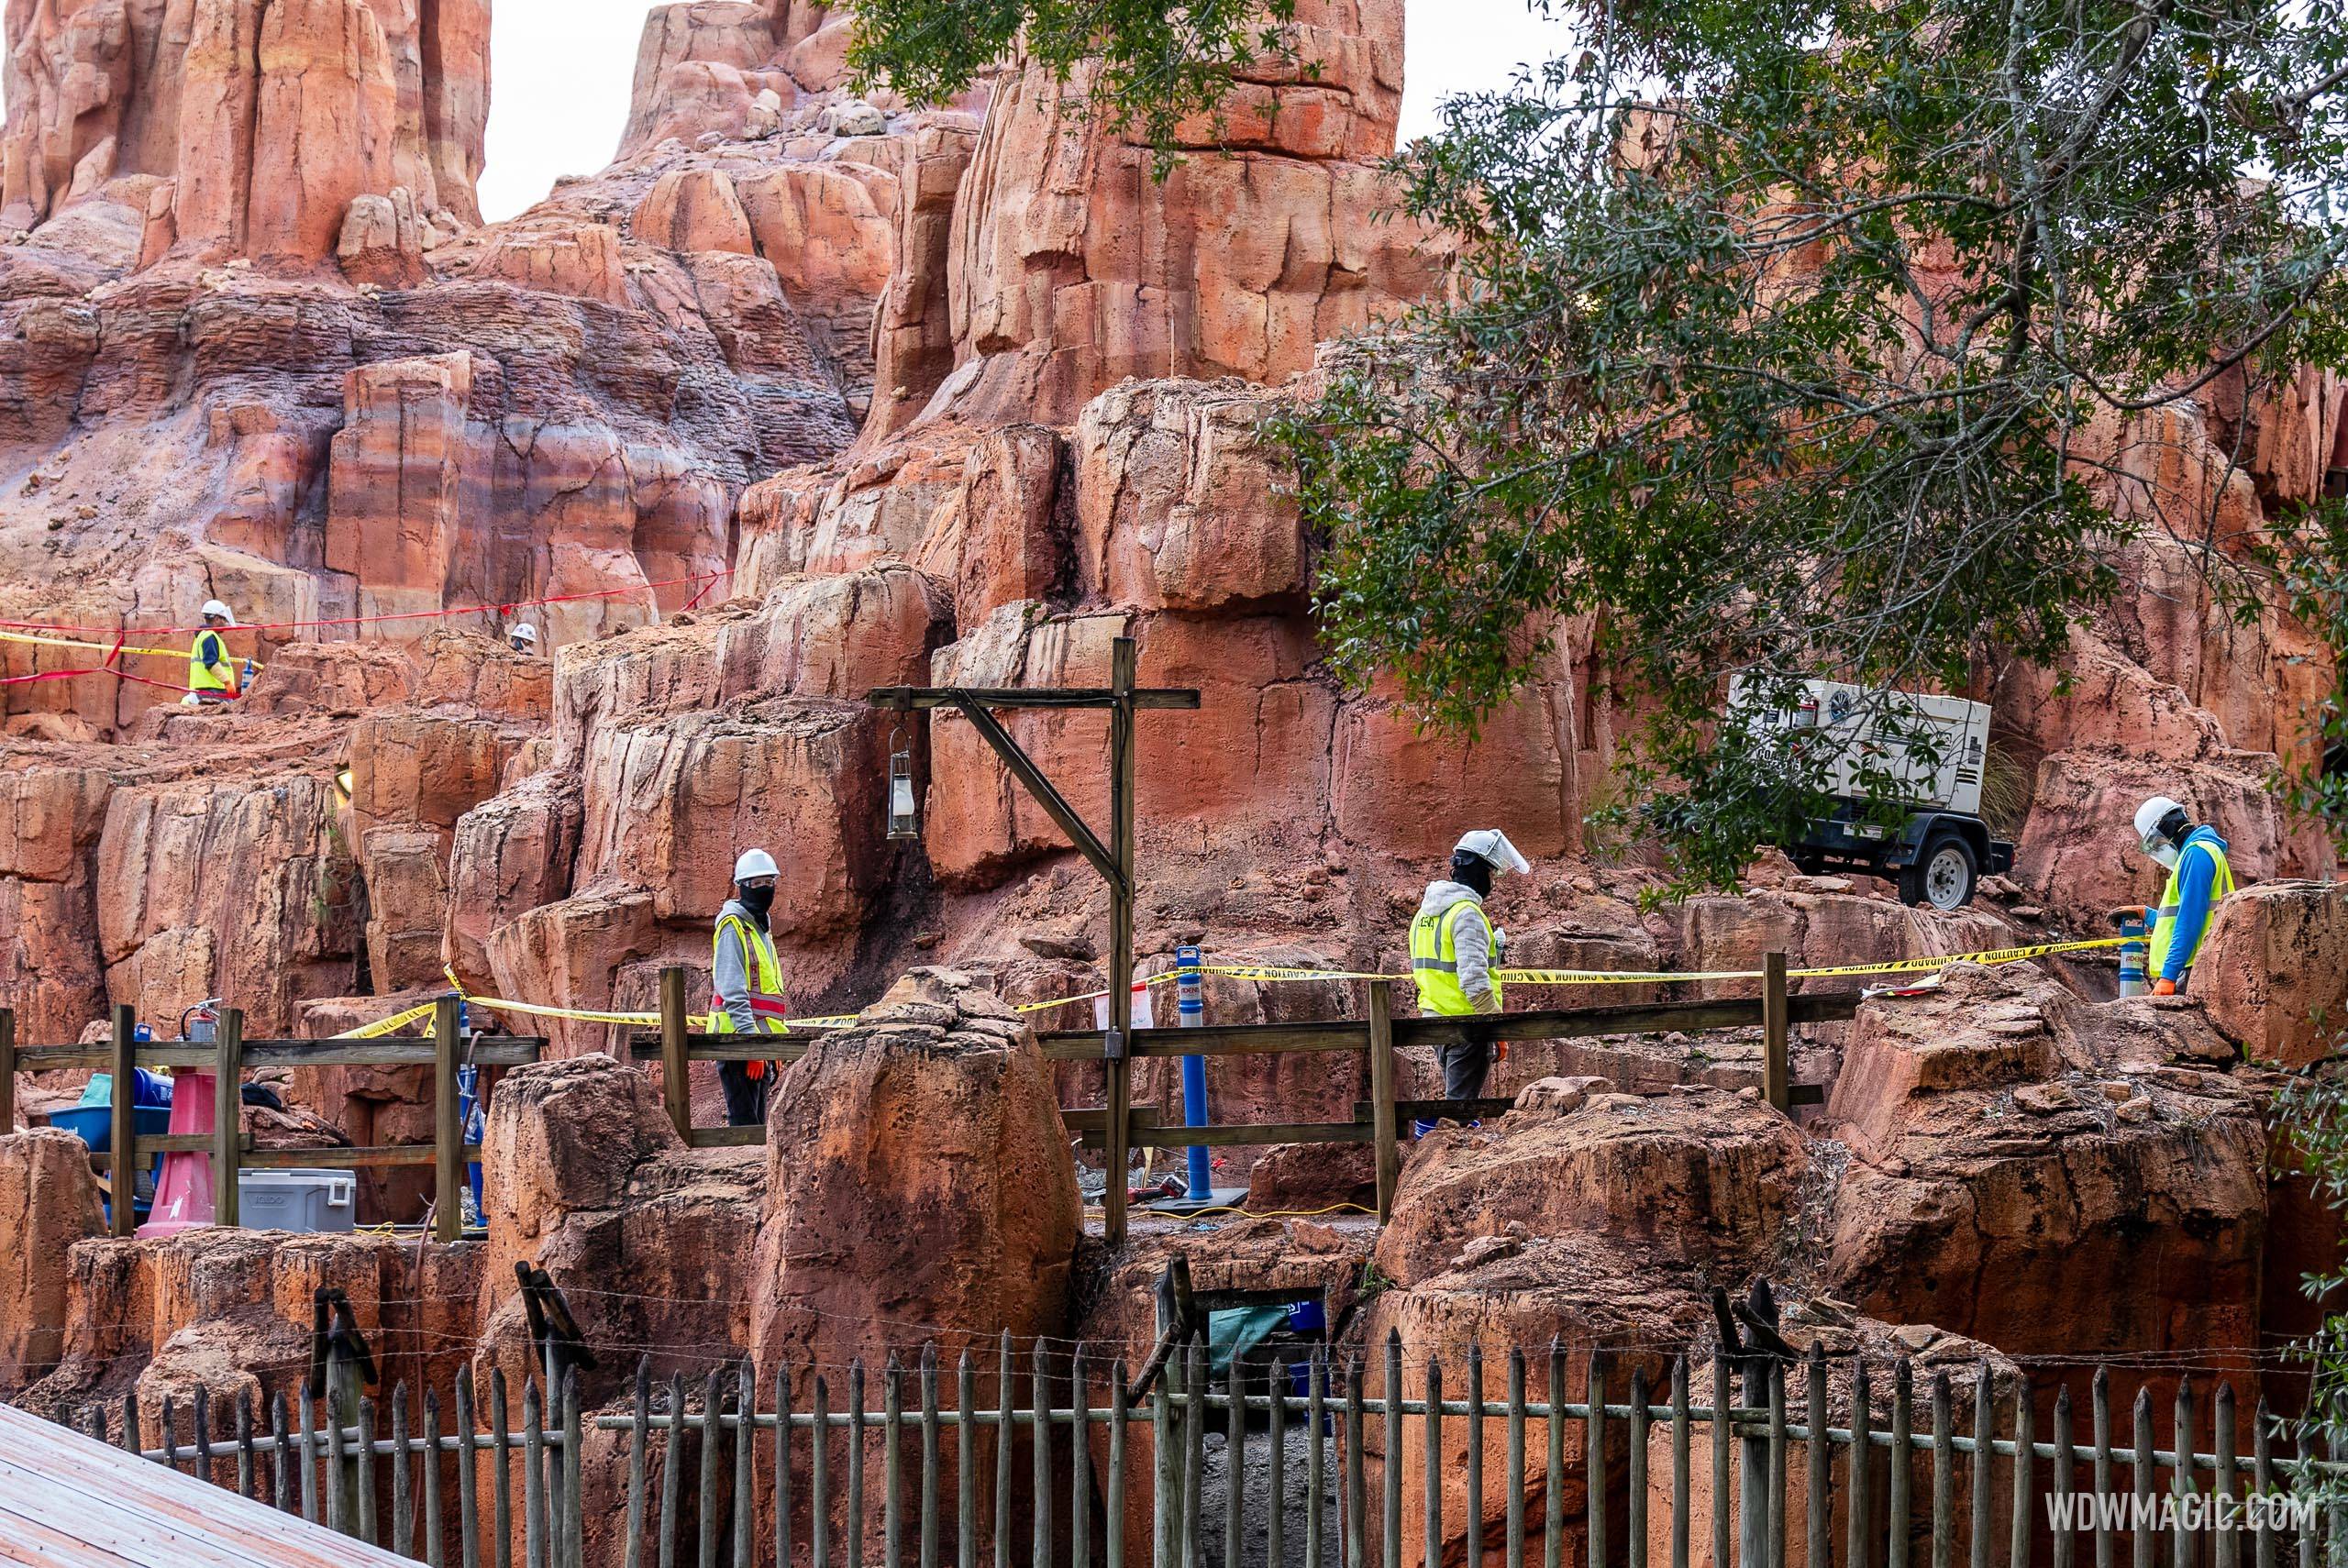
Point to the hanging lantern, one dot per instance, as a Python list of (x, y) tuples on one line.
[(904, 809)]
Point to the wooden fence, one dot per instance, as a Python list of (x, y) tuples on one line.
[(226, 1057), (1379, 1122), (1053, 1459)]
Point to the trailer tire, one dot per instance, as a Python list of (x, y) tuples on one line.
[(1943, 875)]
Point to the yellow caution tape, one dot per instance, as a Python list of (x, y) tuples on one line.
[(1273, 973), (1890, 967), (99, 648), (383, 1026)]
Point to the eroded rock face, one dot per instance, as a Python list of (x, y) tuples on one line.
[(1072, 269), (2273, 970), (269, 116), (2012, 1148), (1703, 1175), (917, 1181), (47, 1189)]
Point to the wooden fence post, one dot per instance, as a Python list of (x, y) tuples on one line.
[(123, 1135), (228, 1121), (1776, 1077), (448, 1132), (8, 1070), (1383, 1131), (676, 1089)]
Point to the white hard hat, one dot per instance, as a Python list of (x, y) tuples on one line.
[(755, 863), (2152, 813), (214, 607), (1491, 845), (525, 633)]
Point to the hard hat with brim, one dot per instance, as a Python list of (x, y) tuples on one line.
[(754, 864), (214, 608)]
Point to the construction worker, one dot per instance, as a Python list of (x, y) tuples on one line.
[(747, 984), (524, 639), (2198, 877), (1455, 948), (211, 677)]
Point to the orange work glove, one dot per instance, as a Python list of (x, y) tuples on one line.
[(1500, 1051), (2164, 987)]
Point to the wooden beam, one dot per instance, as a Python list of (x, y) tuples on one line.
[(371, 1155), (1776, 1073), (726, 1137), (1047, 795), (1346, 1035), (1383, 1115), (227, 1114), (1093, 1119), (448, 1132), (488, 1051), (1123, 664), (909, 698), (123, 1134), (729, 1048), (1265, 1132), (676, 1089)]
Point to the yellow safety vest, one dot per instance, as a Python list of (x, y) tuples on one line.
[(766, 980), (1435, 960), (206, 652), (2221, 882)]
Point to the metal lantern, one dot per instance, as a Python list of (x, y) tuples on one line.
[(905, 807)]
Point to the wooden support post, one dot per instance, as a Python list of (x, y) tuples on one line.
[(123, 1136), (8, 1070), (228, 1121), (1383, 1131), (345, 1389), (1776, 1077), (448, 1132), (1122, 661), (676, 1090)]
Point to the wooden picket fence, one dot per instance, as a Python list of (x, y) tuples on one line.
[(1051, 1456)]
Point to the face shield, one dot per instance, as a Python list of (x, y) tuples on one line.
[(2160, 849)]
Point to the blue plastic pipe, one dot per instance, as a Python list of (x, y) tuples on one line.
[(1192, 1004)]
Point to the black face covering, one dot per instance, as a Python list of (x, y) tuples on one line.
[(1473, 871), (757, 901)]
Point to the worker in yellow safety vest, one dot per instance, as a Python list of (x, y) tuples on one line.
[(2199, 880), (211, 674), (1455, 952), (746, 984)]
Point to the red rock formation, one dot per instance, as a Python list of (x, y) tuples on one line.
[(2012, 1147), (2273, 971), (270, 116), (917, 1184), (52, 1199)]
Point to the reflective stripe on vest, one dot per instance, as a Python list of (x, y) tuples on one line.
[(207, 651), (1435, 960), (766, 1005), (2221, 882)]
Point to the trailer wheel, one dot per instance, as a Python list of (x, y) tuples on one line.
[(1942, 877)]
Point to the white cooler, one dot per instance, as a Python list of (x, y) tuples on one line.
[(298, 1199)]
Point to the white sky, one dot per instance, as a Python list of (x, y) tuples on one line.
[(560, 71)]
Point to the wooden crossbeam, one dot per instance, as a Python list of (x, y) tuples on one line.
[(909, 698)]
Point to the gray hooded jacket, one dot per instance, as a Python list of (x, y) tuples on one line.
[(1476, 960), (730, 976)]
